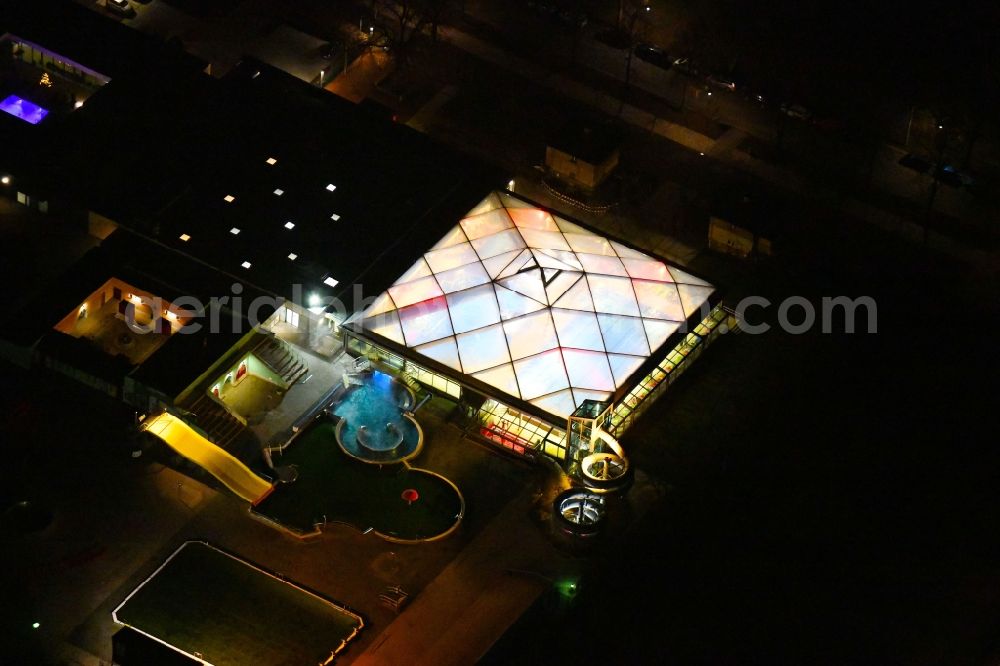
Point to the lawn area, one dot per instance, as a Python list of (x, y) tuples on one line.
[(360, 494), (230, 612)]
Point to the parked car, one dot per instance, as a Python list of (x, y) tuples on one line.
[(796, 111), (686, 66), (654, 55), (121, 7), (721, 81)]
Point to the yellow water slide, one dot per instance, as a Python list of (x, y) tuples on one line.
[(186, 441)]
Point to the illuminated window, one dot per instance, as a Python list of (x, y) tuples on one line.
[(334, 217), (245, 264), (235, 231), (331, 187), (293, 256), (229, 198), (185, 237), (289, 225), (272, 161), (279, 192)]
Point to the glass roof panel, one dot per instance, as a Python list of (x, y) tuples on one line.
[(530, 334), (386, 325), (513, 304), (647, 269), (658, 331), (568, 227), (546, 240), (425, 321), (502, 377), (623, 366), (613, 294), (588, 369), (491, 246), (579, 395), (528, 283), (541, 374), (522, 261), (658, 300), (415, 291), (559, 403), (473, 308), (444, 351), (451, 257), (628, 253), (590, 244), (693, 296), (686, 278), (560, 283), (382, 303), (577, 297), (578, 329), (486, 224), (567, 260), (462, 277), (483, 348), (533, 218), (625, 335), (596, 263), (514, 202), (453, 237), (489, 203), (495, 265), (417, 271)]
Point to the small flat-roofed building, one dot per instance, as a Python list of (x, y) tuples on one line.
[(583, 154)]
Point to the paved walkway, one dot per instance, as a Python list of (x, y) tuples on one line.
[(474, 600)]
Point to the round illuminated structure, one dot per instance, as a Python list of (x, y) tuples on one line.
[(605, 472), (579, 511)]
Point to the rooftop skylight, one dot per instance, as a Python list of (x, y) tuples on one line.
[(536, 306)]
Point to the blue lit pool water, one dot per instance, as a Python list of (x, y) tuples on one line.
[(379, 401), (23, 109)]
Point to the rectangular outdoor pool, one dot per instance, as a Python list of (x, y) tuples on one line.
[(21, 108)]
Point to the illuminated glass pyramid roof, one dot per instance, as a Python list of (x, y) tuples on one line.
[(535, 306)]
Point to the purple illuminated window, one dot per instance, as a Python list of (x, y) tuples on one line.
[(23, 109)]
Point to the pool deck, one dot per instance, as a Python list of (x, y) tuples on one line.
[(324, 376)]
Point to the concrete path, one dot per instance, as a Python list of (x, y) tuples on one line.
[(461, 613)]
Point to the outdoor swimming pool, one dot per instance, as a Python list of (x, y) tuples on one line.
[(27, 111), (373, 425)]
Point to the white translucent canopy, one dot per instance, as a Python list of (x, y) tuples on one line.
[(536, 306)]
